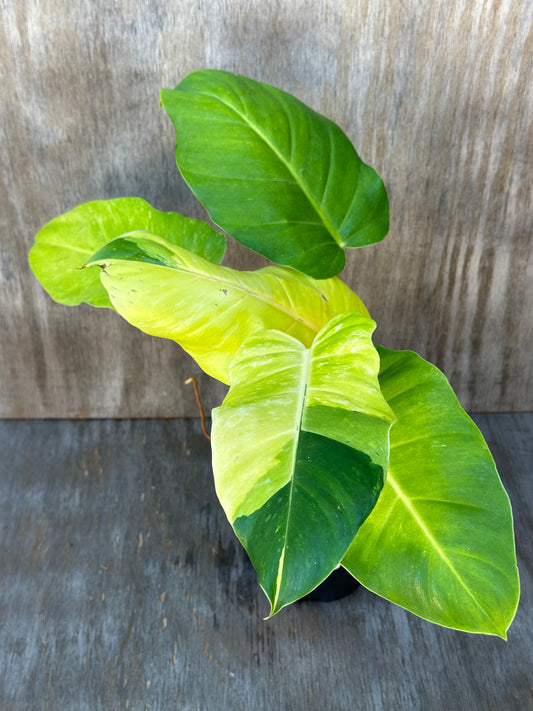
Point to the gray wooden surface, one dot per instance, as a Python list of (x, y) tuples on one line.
[(123, 587), (437, 96)]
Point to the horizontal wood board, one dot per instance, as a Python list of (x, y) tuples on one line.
[(437, 96), (124, 587)]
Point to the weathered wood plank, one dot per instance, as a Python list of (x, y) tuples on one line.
[(123, 587), (437, 97)]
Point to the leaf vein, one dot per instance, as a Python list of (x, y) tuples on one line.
[(297, 178)]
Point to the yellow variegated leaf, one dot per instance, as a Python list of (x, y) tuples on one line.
[(209, 310), (300, 450)]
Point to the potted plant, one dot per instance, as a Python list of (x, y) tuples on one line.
[(328, 450)]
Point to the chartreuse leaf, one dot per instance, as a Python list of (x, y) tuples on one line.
[(208, 309), (440, 540), (65, 243), (280, 178), (300, 450)]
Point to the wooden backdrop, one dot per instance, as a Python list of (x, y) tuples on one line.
[(437, 96)]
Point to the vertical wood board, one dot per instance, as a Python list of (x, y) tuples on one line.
[(436, 96)]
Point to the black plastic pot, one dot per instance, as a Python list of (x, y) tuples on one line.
[(337, 585)]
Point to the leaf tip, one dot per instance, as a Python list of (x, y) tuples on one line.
[(274, 609)]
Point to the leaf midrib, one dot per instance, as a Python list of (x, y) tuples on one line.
[(295, 315), (67, 247), (306, 370), (407, 502)]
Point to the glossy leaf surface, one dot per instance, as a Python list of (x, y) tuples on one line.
[(300, 448), (440, 539), (208, 309), (273, 173), (65, 243)]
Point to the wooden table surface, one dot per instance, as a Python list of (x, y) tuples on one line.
[(123, 587)]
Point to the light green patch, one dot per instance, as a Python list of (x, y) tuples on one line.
[(356, 429)]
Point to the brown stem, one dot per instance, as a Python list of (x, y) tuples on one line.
[(200, 406)]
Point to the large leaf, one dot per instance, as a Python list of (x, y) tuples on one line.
[(209, 310), (300, 449), (440, 539), (65, 243), (277, 176)]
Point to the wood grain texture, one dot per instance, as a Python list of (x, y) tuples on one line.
[(123, 587), (437, 96)]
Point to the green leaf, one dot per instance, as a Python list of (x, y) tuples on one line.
[(65, 243), (209, 310), (280, 178), (440, 539), (300, 447)]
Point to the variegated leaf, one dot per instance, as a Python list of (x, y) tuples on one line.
[(209, 310), (300, 451), (440, 539)]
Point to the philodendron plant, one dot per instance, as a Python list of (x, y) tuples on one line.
[(327, 449)]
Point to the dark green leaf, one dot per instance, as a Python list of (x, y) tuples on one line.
[(277, 176)]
